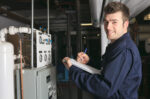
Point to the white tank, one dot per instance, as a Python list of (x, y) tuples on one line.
[(6, 70)]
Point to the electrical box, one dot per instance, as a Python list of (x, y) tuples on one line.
[(39, 83), (43, 47)]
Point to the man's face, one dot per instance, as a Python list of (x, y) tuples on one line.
[(114, 26)]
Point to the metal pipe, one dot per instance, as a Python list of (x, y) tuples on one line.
[(79, 40), (32, 35), (68, 36), (48, 16), (79, 35)]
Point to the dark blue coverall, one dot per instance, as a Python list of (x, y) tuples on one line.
[(121, 74)]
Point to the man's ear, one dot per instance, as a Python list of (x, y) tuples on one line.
[(126, 23)]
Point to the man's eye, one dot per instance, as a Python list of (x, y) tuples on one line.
[(114, 22), (105, 22)]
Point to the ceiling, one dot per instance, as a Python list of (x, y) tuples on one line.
[(61, 10)]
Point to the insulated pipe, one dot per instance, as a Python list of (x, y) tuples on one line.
[(95, 9), (104, 40), (14, 16), (3, 32), (134, 9), (12, 31)]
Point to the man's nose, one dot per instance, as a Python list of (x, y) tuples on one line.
[(109, 26)]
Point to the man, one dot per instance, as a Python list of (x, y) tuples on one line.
[(122, 73)]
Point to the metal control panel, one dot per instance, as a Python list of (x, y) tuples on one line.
[(43, 49), (40, 83)]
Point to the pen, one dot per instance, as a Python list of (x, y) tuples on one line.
[(85, 50)]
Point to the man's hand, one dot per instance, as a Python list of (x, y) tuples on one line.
[(82, 58), (66, 61)]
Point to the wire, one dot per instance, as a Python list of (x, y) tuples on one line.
[(24, 61)]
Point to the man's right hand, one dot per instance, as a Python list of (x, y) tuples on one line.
[(82, 58)]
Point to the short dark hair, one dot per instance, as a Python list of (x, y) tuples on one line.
[(113, 7)]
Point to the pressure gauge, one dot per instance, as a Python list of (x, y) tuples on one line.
[(40, 40), (40, 58), (45, 57)]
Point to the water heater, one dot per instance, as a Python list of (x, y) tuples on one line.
[(6, 70)]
